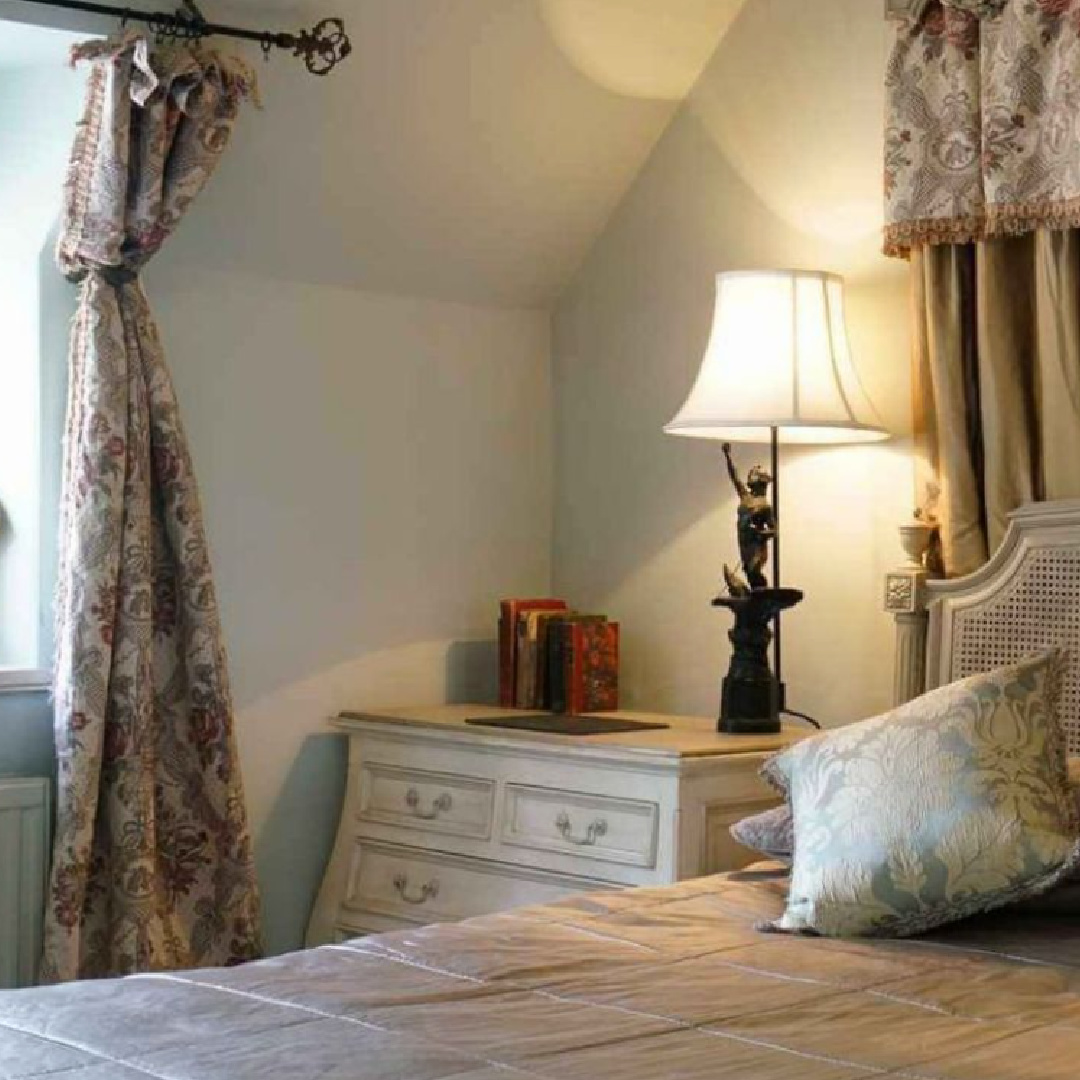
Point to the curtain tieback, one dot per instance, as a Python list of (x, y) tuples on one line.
[(112, 275)]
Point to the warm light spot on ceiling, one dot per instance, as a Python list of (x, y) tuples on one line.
[(640, 48)]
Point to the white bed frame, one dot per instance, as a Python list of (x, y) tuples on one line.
[(1026, 597)]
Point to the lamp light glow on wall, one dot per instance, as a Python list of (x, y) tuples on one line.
[(777, 368)]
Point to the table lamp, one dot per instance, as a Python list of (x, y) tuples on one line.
[(777, 369)]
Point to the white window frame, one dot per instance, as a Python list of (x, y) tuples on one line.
[(15, 678)]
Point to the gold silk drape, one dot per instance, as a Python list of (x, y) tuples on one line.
[(997, 382)]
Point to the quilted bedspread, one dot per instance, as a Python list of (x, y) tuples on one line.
[(657, 984)]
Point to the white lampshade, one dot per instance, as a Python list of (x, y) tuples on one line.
[(778, 357)]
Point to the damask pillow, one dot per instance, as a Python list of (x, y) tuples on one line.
[(771, 833), (951, 805)]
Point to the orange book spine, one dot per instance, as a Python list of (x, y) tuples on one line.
[(593, 683)]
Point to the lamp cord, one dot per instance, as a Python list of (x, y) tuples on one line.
[(801, 716)]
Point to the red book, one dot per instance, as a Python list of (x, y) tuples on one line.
[(592, 667), (508, 623)]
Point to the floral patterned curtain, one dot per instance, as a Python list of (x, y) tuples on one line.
[(152, 864), (981, 137)]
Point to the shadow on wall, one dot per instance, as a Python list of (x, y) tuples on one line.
[(295, 764), (472, 672), (292, 852)]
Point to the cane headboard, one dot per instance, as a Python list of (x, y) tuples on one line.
[(1025, 598)]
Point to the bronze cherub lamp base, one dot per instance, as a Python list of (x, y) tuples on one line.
[(752, 697)]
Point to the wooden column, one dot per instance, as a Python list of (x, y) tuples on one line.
[(905, 600)]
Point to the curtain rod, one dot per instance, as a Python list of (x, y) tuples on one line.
[(322, 47)]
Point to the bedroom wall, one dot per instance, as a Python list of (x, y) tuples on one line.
[(375, 472), (773, 160), (357, 316)]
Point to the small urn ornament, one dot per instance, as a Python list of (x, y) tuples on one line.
[(904, 586), (915, 539)]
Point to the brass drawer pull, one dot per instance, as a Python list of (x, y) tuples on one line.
[(595, 830), (428, 891), (441, 805)]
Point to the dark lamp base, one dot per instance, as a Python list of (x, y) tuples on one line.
[(752, 697), (750, 707)]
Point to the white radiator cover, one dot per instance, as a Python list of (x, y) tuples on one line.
[(24, 837)]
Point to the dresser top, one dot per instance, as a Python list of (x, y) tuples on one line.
[(686, 737)]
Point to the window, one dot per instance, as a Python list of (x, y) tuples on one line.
[(40, 102)]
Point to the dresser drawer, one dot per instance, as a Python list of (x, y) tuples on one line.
[(423, 888), (594, 827), (428, 801)]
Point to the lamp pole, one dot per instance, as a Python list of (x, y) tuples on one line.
[(774, 445)]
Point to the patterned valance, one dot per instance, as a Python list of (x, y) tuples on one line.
[(982, 135), (913, 10)]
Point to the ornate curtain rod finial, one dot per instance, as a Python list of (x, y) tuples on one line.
[(323, 47)]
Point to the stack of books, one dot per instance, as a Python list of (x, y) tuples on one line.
[(557, 659)]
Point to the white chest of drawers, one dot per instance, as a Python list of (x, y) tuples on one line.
[(444, 820)]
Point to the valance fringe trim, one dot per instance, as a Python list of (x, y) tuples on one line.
[(901, 238), (904, 237), (981, 136)]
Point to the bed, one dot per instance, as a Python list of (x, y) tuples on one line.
[(672, 983)]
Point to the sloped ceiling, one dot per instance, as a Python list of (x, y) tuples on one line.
[(468, 149)]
